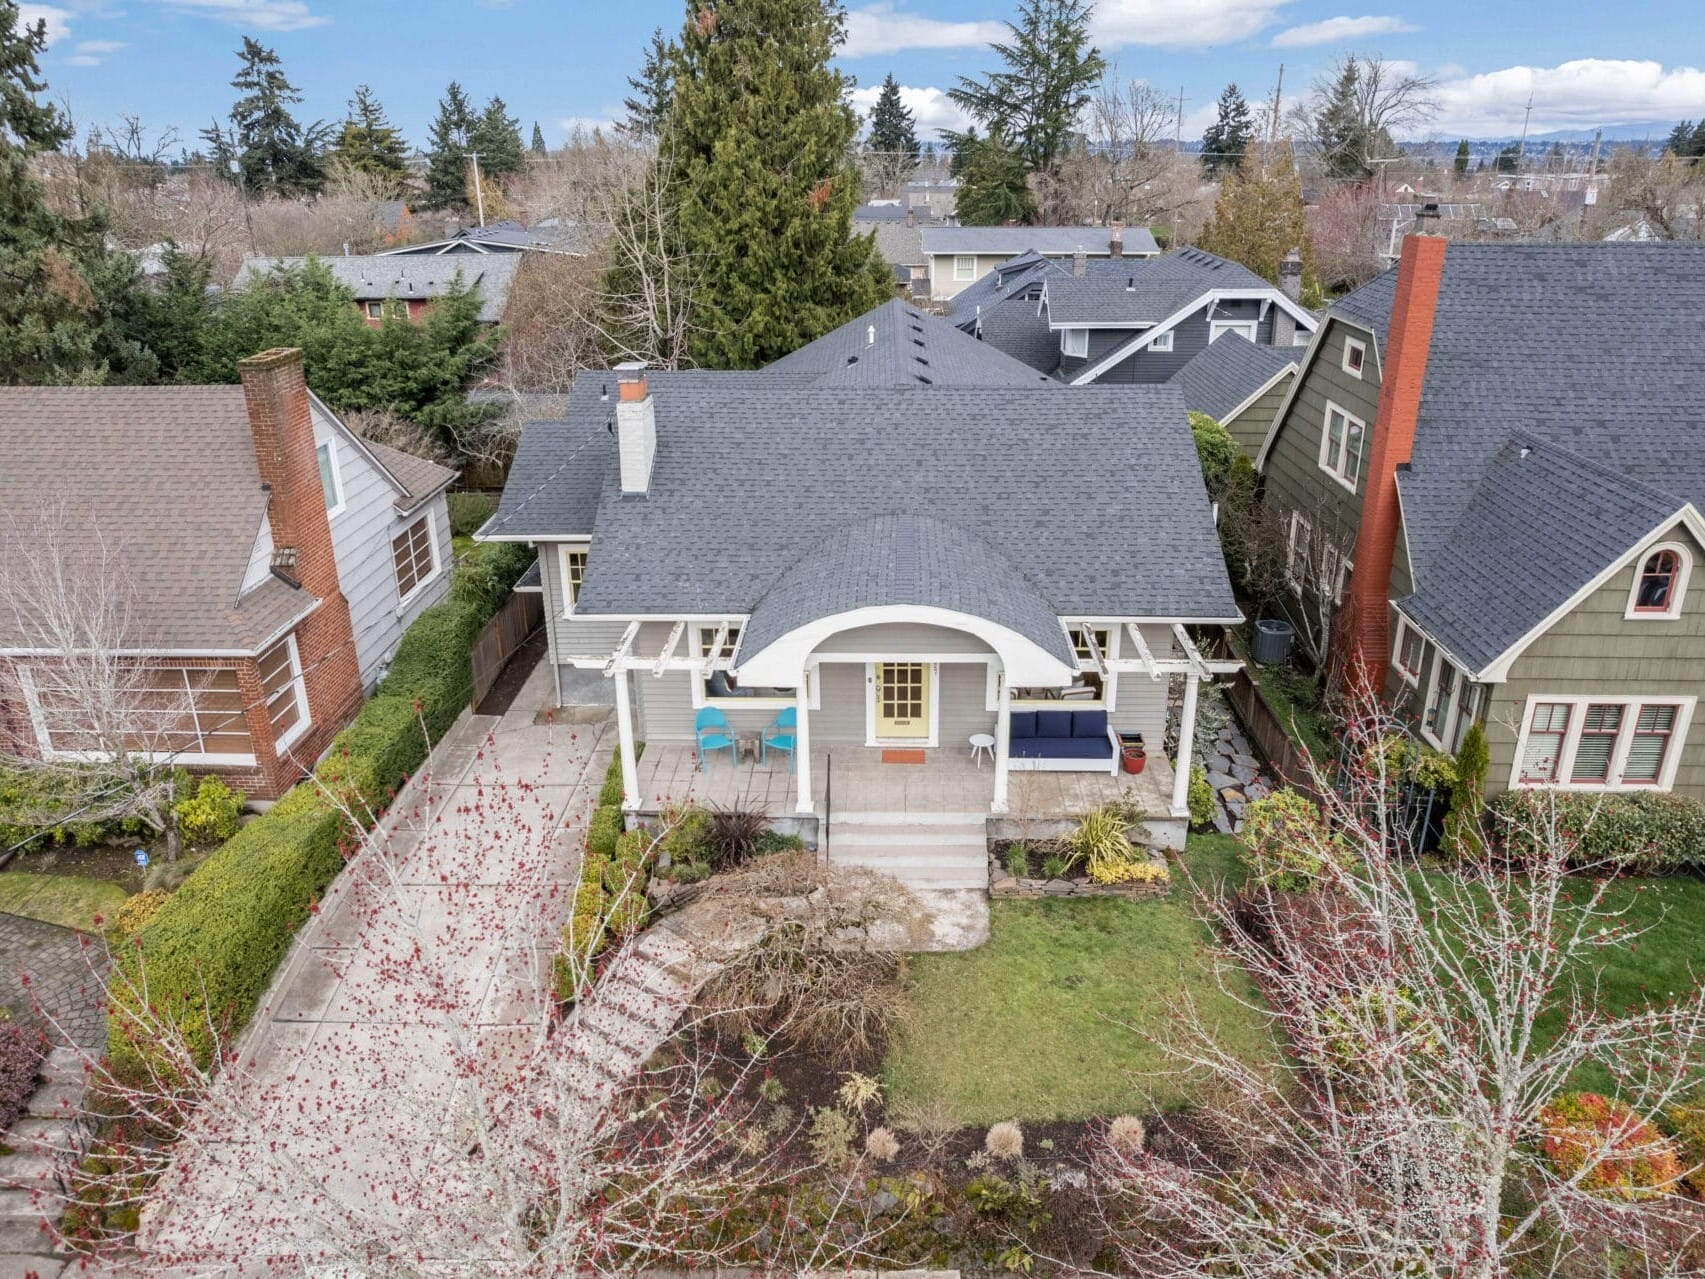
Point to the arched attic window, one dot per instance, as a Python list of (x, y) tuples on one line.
[(1660, 582)]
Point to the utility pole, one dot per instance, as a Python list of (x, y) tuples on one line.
[(1521, 147), (1592, 165), (1177, 150), (1273, 124), (479, 191)]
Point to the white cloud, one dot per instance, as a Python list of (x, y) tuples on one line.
[(1582, 94), (585, 123), (58, 20), (931, 108), (91, 53), (877, 28), (1340, 30), (257, 15), (1181, 24)]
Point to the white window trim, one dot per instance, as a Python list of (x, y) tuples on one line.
[(373, 310), (1673, 612), (1078, 338), (1162, 342), (922, 743), (330, 446), (1217, 329), (1448, 723), (1406, 628), (964, 266), (403, 601), (1625, 739), (1350, 419), (299, 687), (1291, 575), (564, 549), (1109, 699), (697, 637), (1361, 348), (32, 705)]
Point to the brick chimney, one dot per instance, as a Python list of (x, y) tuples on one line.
[(636, 427), (1366, 628), (1116, 239), (283, 428)]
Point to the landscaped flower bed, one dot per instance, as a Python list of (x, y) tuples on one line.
[(1150, 877)]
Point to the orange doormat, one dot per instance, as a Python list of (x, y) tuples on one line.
[(902, 757)]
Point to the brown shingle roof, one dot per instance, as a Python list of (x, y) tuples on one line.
[(169, 474), (420, 478)]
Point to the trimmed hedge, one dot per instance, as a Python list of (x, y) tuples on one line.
[(22, 1049), (1635, 832), (211, 949)]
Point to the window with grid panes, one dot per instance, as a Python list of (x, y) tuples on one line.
[(1546, 733), (411, 554), (281, 681)]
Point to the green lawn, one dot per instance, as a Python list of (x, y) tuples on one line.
[(1046, 1020), (68, 900)]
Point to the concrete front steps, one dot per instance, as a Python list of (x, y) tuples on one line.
[(931, 851)]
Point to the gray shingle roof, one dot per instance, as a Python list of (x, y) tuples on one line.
[(1010, 240), (1369, 307), (1094, 493), (1226, 373), (375, 277), (1138, 291), (900, 245), (168, 474), (1007, 279), (1013, 326), (897, 345), (904, 559)]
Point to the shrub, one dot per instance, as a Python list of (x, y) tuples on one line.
[(731, 836), (1004, 1141), (1687, 1123), (1636, 832), (1055, 867), (1411, 761), (603, 831), (210, 815), (1126, 1135), (30, 796), (831, 1137), (106, 1194), (1462, 832), (1288, 841), (1633, 1159), (881, 1145), (1200, 797), (1017, 861), (484, 576), (468, 511), (1132, 869), (610, 794), (431, 668), (135, 911), (1215, 450), (773, 841), (609, 904), (22, 1049), (1099, 839)]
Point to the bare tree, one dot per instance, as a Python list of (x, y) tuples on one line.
[(1130, 128), (1667, 193), (1357, 107), (98, 727), (1430, 1025), (1348, 235)]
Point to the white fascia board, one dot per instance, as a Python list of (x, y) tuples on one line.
[(1207, 298), (1268, 385), (1309, 356)]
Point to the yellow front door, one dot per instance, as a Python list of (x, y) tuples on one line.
[(902, 700)]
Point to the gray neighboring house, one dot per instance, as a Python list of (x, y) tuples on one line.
[(385, 284), (1128, 319), (959, 256), (897, 535), (899, 239), (505, 237)]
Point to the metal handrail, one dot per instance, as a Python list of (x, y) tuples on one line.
[(828, 807)]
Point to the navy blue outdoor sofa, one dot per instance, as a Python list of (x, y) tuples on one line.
[(1065, 741)]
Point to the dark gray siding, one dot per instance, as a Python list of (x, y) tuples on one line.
[(1189, 337)]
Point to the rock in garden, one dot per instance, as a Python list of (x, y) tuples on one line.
[(1219, 781), (1005, 884), (1059, 888)]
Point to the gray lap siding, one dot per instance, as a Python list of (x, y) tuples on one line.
[(1249, 428), (1189, 337)]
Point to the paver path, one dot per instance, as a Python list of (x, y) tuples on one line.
[(58, 975)]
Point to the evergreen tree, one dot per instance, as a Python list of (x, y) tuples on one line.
[(496, 135), (63, 296), (1462, 157), (370, 143), (994, 186), (539, 147), (1338, 128), (1228, 137), (1509, 159), (1050, 71), (759, 184), (1258, 217), (892, 129), (447, 161), (652, 91), (1687, 140), (273, 152)]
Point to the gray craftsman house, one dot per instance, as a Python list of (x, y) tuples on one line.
[(959, 256), (1100, 320), (930, 569), (1492, 463)]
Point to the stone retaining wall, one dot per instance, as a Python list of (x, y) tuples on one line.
[(1002, 884)]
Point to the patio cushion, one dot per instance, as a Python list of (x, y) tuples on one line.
[(1053, 723), (1089, 724), (1023, 725), (1061, 748)]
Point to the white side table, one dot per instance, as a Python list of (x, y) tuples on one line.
[(982, 744)]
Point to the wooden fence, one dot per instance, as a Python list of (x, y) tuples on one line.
[(1268, 733), (521, 614)]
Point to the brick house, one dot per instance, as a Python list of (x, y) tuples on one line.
[(389, 284), (272, 559)]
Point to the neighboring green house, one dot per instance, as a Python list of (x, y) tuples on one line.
[(1240, 385), (1507, 442)]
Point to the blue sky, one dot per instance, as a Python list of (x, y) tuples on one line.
[(1584, 62)]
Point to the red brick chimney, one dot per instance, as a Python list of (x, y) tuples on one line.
[(1403, 372), (283, 427)]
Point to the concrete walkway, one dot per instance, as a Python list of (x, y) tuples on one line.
[(427, 966)]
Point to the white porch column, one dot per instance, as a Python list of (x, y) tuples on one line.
[(802, 744), (1186, 742), (624, 744), (1003, 746)]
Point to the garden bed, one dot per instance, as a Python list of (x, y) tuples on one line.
[(1035, 884)]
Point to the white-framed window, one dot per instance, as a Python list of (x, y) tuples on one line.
[(573, 560), (964, 266), (1219, 328), (1342, 441), (414, 555), (1090, 688), (192, 713), (286, 691), (331, 479), (1299, 544), (1162, 342), (1302, 337), (1355, 355), (1074, 342), (1601, 743), (375, 310), (1660, 583), (719, 688), (1407, 652), (1452, 702)]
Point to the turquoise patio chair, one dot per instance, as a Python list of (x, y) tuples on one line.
[(782, 736), (710, 727)]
